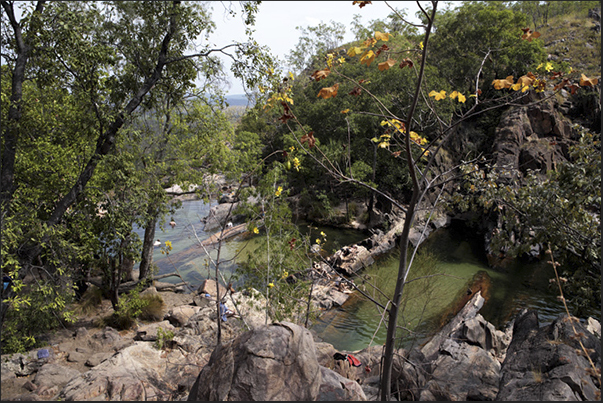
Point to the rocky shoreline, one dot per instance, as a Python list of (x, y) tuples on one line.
[(176, 359), (469, 359)]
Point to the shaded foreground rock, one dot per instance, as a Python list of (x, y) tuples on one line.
[(274, 362), (547, 363), (468, 359)]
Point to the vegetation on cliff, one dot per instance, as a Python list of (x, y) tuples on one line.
[(94, 133)]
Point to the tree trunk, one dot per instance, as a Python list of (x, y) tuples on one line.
[(417, 195), (114, 283), (126, 262), (146, 257)]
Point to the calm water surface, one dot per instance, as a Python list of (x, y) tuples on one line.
[(448, 264)]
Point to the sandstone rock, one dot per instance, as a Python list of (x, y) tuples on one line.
[(149, 332), (274, 362), (336, 388), (542, 362), (178, 316), (593, 326), (97, 358), (480, 373), (350, 259), (209, 287), (54, 375), (138, 372), (20, 365)]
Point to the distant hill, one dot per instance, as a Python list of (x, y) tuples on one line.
[(238, 100)]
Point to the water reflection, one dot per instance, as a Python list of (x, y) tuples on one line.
[(460, 265), (453, 259)]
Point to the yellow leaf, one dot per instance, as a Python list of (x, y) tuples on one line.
[(529, 35), (526, 80), (417, 139), (524, 89), (386, 64), (456, 94), (438, 95), (367, 58), (354, 50), (369, 42), (548, 67), (361, 3), (516, 86), (421, 45), (328, 92), (320, 74), (382, 36), (503, 83), (588, 82)]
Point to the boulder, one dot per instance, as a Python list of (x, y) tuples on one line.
[(336, 388), (480, 373), (51, 375), (138, 372), (274, 362), (179, 315), (208, 286), (547, 363), (351, 259)]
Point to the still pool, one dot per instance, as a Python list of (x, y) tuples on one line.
[(446, 265)]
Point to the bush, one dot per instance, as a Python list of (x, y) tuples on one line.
[(132, 307), (90, 301), (163, 336)]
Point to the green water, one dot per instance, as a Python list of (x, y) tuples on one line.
[(451, 261), (196, 264), (447, 259)]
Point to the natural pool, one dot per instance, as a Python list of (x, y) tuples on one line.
[(457, 263), (452, 261)]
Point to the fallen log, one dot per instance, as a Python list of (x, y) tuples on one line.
[(130, 285)]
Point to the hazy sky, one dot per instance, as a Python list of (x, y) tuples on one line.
[(276, 22)]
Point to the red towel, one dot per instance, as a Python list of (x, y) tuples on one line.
[(353, 360)]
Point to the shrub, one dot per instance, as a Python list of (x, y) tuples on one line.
[(132, 307), (163, 336)]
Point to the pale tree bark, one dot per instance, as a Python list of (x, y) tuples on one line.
[(10, 132), (417, 195), (146, 257)]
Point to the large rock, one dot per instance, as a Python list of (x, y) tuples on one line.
[(179, 315), (274, 362), (351, 259), (335, 388), (138, 372), (532, 137), (546, 363)]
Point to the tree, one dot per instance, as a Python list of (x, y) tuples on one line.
[(432, 114), (314, 43), (82, 81)]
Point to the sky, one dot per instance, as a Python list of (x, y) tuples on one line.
[(276, 23)]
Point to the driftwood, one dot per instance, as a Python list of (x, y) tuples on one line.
[(227, 233), (130, 285)]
